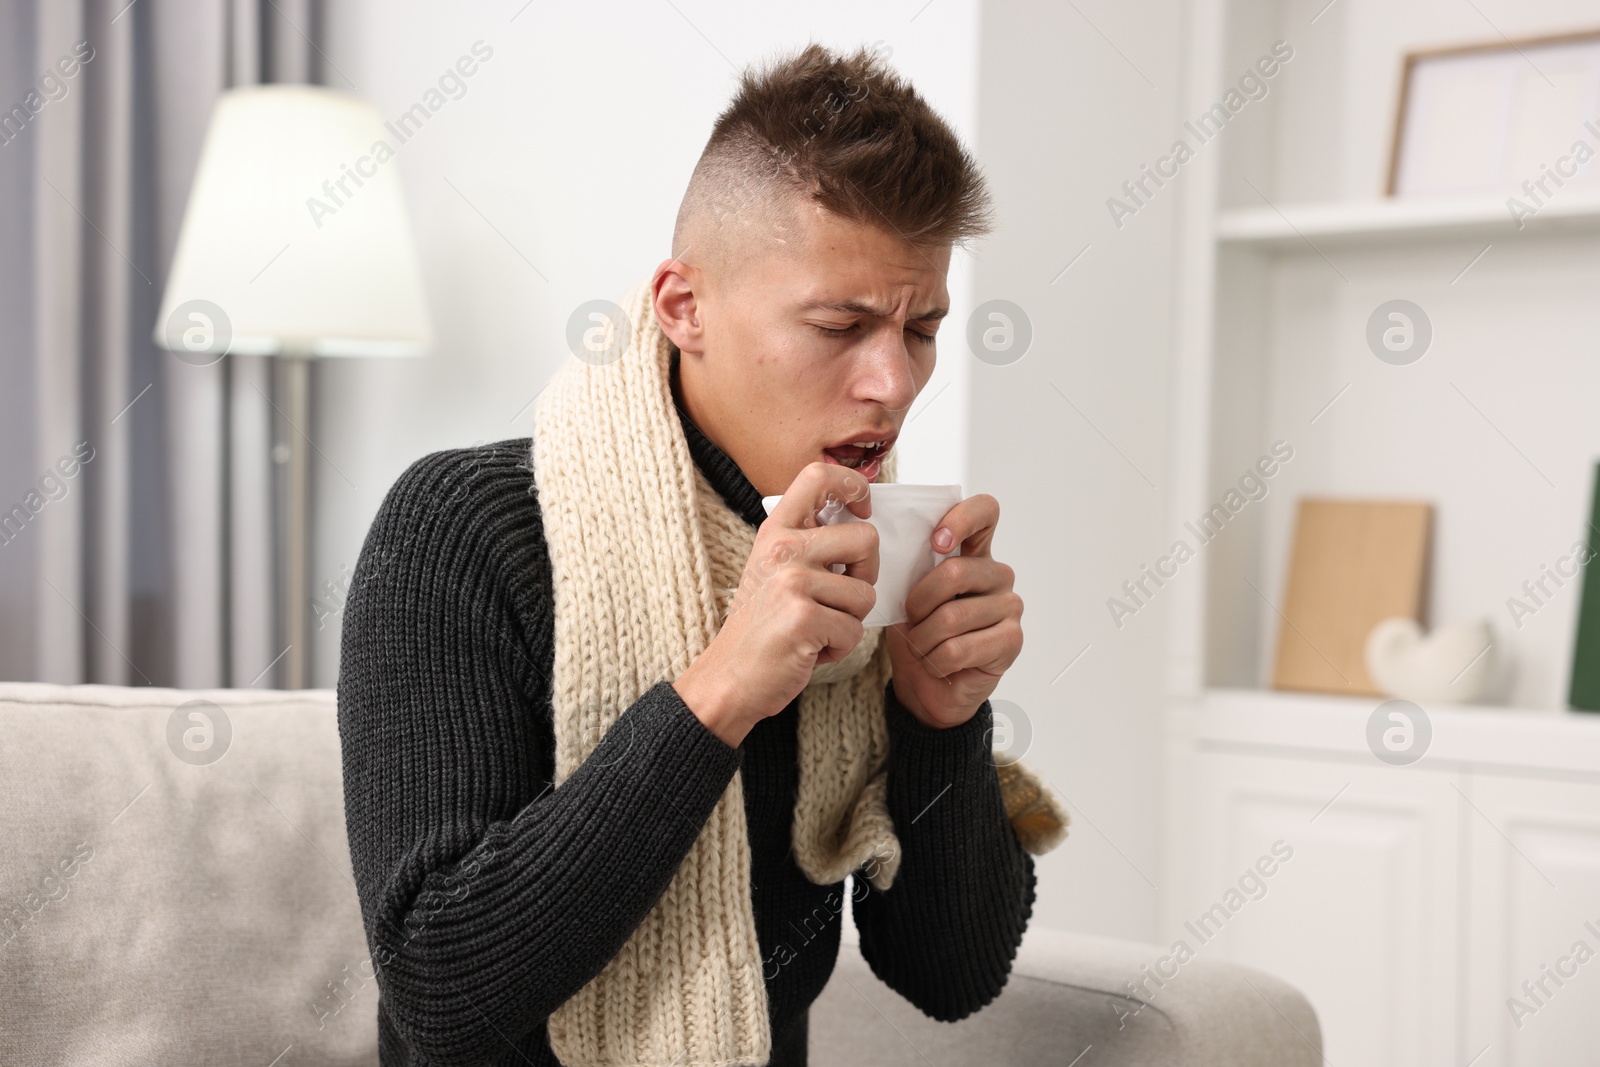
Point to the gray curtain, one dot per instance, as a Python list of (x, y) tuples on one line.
[(136, 542)]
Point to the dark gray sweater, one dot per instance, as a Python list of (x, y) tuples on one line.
[(490, 897)]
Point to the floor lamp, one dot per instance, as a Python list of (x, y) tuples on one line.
[(295, 244)]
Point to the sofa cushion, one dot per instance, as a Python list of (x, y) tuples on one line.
[(1067, 1003), (177, 887)]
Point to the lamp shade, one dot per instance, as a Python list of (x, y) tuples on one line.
[(296, 237)]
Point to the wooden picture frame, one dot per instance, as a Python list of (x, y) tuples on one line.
[(1514, 51)]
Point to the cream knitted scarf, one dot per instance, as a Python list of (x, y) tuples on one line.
[(646, 557)]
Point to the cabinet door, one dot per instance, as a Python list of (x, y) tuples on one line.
[(1362, 917), (1533, 896)]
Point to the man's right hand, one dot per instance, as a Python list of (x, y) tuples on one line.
[(791, 611)]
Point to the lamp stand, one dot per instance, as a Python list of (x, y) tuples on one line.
[(291, 452)]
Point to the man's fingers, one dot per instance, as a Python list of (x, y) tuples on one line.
[(969, 524), (818, 486), (855, 544), (842, 631), (991, 650), (960, 616), (958, 576), (841, 592)]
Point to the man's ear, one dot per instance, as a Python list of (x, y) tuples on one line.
[(678, 307)]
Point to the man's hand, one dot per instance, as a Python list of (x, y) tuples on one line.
[(791, 611), (963, 625)]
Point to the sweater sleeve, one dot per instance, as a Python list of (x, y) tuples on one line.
[(945, 934), (488, 896)]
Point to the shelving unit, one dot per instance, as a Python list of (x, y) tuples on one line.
[(1277, 279), (1380, 222), (1420, 896), (1482, 736)]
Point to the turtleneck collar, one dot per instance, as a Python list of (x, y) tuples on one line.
[(718, 467)]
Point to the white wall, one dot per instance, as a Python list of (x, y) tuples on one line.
[(554, 180), (1071, 102)]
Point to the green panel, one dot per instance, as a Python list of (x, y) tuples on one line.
[(1586, 653)]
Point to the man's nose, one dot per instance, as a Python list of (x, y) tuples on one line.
[(885, 375)]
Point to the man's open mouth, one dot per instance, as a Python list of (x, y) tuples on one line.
[(864, 456)]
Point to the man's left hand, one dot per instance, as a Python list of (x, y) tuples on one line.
[(963, 625)]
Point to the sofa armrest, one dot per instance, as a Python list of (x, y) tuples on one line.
[(1068, 1002), (176, 887)]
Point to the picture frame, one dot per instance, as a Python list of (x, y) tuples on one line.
[(1491, 116)]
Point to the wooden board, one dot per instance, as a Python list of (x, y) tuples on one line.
[(1354, 564)]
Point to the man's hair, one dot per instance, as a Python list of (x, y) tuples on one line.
[(850, 134)]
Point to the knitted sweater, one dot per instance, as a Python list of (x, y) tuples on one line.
[(489, 898)]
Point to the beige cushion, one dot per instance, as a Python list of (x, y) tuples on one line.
[(1065, 1003), (162, 909)]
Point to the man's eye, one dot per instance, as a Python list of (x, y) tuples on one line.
[(845, 332), (925, 338)]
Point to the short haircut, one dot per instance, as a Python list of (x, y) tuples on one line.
[(850, 134)]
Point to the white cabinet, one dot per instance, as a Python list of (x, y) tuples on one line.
[(1417, 899), (1362, 917), (1533, 898)]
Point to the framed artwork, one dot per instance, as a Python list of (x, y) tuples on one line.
[(1502, 116)]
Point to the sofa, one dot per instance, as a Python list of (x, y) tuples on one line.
[(177, 890)]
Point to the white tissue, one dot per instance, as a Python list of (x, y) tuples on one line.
[(906, 516)]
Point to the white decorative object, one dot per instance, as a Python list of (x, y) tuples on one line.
[(1449, 666)]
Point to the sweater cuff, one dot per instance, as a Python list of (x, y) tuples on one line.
[(907, 731), (697, 764)]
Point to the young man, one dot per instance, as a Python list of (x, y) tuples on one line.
[(613, 738)]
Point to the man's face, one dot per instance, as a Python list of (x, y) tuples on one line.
[(812, 347)]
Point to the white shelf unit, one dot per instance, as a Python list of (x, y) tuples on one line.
[(1378, 222), (1421, 896), (1503, 740)]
